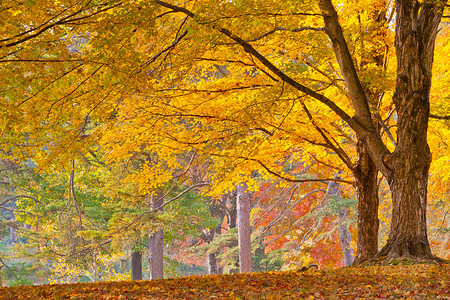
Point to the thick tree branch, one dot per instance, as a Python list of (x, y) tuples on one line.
[(280, 74), (348, 70), (366, 131)]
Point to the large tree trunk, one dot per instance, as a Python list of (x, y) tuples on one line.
[(156, 245), (244, 239), (365, 174), (136, 265), (416, 30)]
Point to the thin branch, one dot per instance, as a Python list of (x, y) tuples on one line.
[(162, 205), (5, 265), (62, 21), (284, 29), (300, 180), (386, 129), (191, 161), (21, 196), (280, 215), (337, 149), (442, 223), (447, 117), (155, 57), (74, 198), (141, 243)]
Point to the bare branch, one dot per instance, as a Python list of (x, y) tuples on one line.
[(74, 198), (277, 219), (36, 31), (337, 149), (21, 196), (284, 29), (300, 180), (386, 129)]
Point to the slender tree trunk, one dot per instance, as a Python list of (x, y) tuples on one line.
[(244, 231), (218, 211), (12, 232), (156, 245), (365, 174), (416, 29), (334, 188), (136, 265), (346, 239), (213, 267), (232, 223)]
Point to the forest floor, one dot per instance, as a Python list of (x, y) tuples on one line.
[(371, 282)]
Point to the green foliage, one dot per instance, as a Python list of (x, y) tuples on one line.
[(24, 273)]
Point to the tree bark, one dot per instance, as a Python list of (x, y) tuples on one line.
[(136, 265), (156, 244), (416, 29), (365, 174), (213, 267), (244, 231)]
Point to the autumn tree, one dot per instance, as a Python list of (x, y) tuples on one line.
[(286, 83), (406, 168)]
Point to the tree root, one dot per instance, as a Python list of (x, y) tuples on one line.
[(402, 260)]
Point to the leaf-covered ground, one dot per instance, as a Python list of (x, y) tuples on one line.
[(375, 282)]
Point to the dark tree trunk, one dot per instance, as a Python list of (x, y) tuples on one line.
[(365, 174), (136, 265), (232, 212), (416, 29)]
